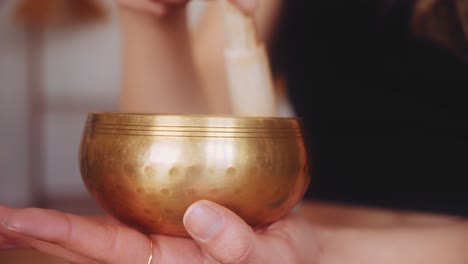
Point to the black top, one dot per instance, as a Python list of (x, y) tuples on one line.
[(386, 114)]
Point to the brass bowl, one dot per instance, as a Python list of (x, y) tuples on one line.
[(146, 170)]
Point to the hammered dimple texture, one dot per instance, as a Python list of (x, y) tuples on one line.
[(147, 171)]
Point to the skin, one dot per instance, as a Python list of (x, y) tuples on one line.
[(156, 39), (306, 236)]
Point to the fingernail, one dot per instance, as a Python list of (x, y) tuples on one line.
[(7, 226), (203, 221)]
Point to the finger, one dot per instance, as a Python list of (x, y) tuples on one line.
[(3, 239), (10, 240), (103, 243), (7, 243), (19, 241), (15, 241), (5, 211), (169, 249), (222, 235)]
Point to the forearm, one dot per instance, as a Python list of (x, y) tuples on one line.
[(403, 245), (366, 236), (158, 73)]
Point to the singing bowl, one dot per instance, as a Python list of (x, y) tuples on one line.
[(146, 170)]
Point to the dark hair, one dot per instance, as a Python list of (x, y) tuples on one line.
[(441, 22), (444, 22)]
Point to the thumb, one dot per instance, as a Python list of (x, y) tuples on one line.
[(221, 234)]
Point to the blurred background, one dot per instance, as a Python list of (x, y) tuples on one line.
[(56, 65), (59, 60)]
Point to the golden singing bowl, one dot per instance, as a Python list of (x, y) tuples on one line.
[(146, 170)]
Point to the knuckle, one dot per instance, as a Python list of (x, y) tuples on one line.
[(114, 238), (68, 238), (113, 252)]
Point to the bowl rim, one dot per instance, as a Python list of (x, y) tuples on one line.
[(198, 116), (188, 120), (214, 125)]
